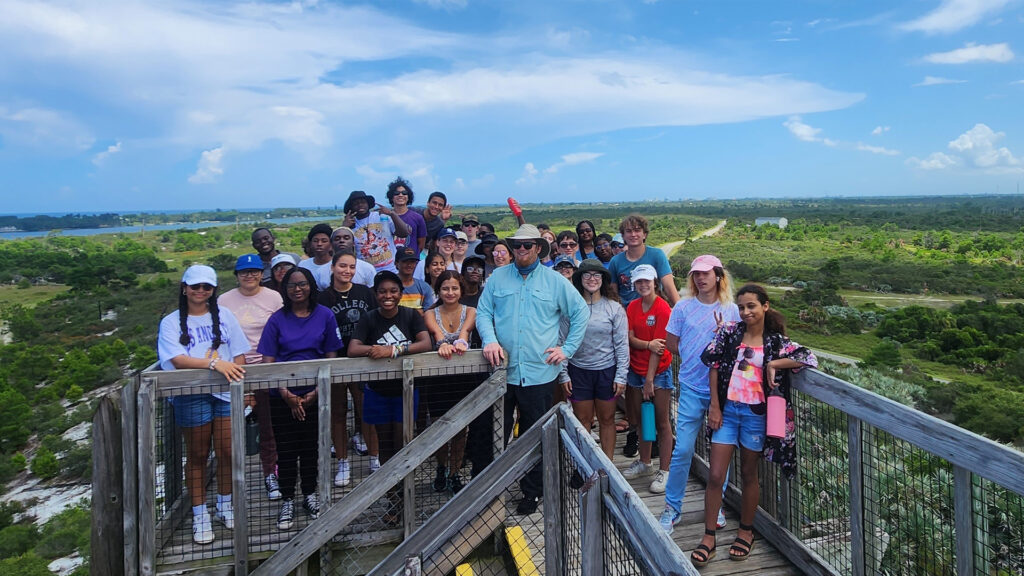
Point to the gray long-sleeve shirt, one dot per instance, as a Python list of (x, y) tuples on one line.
[(606, 342)]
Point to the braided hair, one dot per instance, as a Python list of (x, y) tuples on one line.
[(183, 317)]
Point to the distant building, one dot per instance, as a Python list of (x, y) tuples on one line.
[(780, 222)]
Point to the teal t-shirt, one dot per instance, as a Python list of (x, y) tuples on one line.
[(621, 270)]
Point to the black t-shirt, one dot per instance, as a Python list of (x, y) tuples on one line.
[(374, 329), (348, 308)]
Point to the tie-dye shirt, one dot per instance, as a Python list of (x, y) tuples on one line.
[(745, 384)]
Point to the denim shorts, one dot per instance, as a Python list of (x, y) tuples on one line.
[(662, 381), (741, 427), (194, 410), (378, 409)]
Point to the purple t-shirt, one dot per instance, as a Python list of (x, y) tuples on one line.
[(417, 225), (288, 337)]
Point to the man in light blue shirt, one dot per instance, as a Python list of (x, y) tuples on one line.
[(526, 300)]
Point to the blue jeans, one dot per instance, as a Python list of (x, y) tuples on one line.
[(689, 424)]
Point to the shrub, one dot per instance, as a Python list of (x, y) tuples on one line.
[(17, 539), (45, 464)]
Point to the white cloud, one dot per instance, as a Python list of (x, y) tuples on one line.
[(209, 168), (572, 160), (1017, 83), (802, 131), (938, 80), (43, 128), (529, 175), (876, 149), (935, 161), (954, 15), (879, 130), (972, 52), (413, 166), (978, 149), (101, 157)]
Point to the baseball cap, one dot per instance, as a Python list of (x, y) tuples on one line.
[(446, 232), (282, 258), (705, 263), (644, 272), (248, 262), (407, 253), (199, 274)]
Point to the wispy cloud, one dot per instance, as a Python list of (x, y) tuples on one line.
[(973, 53), (444, 4), (938, 80), (572, 160), (879, 130), (529, 175), (413, 166), (43, 129), (210, 167), (1017, 83), (808, 133), (101, 157), (977, 149), (955, 15)]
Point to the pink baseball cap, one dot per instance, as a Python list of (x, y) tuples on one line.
[(705, 263)]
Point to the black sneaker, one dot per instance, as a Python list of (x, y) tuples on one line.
[(312, 505), (286, 519), (454, 483), (632, 447), (527, 506), (441, 479)]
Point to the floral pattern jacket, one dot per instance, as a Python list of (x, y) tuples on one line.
[(721, 355)]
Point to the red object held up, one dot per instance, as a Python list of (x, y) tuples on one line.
[(514, 206)]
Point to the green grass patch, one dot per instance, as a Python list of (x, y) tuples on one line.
[(31, 296)]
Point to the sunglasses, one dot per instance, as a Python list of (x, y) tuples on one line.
[(470, 223), (524, 244), (403, 192), (568, 244), (474, 269), (202, 286), (462, 241), (603, 246)]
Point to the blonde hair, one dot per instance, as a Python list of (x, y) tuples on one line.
[(723, 285)]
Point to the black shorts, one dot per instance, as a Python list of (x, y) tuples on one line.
[(591, 384)]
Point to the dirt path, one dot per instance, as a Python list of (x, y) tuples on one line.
[(669, 247)]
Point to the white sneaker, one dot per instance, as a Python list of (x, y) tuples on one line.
[(658, 485), (202, 529), (669, 519), (720, 523), (374, 463), (638, 470), (344, 475), (358, 444), (226, 514)]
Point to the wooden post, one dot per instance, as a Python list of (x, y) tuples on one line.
[(553, 552), (130, 474), (241, 530), (107, 533), (324, 479), (963, 514), (592, 530), (147, 477), (408, 429), (853, 431)]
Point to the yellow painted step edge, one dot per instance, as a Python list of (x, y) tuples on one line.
[(520, 551), (463, 570)]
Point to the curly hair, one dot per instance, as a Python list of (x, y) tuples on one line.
[(394, 185)]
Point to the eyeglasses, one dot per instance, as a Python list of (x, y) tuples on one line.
[(298, 285), (523, 244), (603, 246), (590, 275), (202, 286), (470, 223), (250, 272), (568, 244), (474, 269)]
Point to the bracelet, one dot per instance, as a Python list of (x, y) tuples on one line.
[(461, 341), (213, 363), (394, 351)]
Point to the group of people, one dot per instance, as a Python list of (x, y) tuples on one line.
[(591, 318)]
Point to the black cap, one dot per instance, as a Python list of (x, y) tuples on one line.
[(407, 253), (386, 276)]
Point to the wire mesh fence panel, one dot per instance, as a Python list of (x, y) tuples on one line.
[(620, 558), (998, 518), (570, 481), (908, 503), (820, 498)]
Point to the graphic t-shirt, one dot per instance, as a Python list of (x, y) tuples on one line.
[(376, 330), (252, 313), (200, 333), (375, 241), (648, 325), (745, 383), (622, 270), (348, 309)]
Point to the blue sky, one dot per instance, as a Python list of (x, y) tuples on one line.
[(130, 105)]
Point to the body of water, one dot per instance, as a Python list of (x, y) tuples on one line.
[(155, 227)]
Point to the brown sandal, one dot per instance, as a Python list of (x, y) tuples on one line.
[(702, 555), (741, 549)]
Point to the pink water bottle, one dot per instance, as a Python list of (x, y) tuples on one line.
[(776, 414)]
